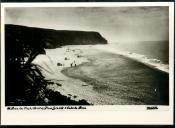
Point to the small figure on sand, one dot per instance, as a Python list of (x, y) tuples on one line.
[(78, 56), (67, 50), (59, 64), (73, 64), (155, 89)]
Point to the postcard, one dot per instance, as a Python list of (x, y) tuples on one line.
[(87, 63)]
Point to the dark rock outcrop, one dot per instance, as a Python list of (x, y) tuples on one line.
[(24, 83), (50, 38)]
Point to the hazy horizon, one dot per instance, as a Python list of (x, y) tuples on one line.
[(116, 24)]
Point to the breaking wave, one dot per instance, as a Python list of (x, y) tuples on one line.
[(151, 62)]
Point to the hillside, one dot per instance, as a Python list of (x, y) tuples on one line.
[(49, 38), (24, 83)]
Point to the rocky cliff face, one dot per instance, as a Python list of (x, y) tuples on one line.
[(24, 83), (50, 38)]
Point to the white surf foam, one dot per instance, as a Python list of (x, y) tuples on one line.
[(154, 63)]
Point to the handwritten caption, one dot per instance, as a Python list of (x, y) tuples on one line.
[(44, 107)]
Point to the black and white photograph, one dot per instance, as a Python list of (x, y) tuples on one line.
[(96, 59), (87, 56)]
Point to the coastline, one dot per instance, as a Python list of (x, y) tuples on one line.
[(52, 72), (77, 87), (150, 62)]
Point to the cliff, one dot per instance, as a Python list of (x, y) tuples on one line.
[(24, 83), (49, 38)]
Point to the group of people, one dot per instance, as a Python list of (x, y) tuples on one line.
[(73, 64)]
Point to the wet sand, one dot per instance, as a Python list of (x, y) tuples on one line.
[(104, 78)]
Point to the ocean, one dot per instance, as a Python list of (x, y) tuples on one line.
[(125, 73), (151, 53), (152, 49), (112, 74), (118, 80)]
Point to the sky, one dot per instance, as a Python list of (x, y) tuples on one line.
[(116, 24)]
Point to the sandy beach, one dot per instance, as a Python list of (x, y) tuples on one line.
[(101, 77)]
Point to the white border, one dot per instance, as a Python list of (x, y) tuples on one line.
[(106, 114)]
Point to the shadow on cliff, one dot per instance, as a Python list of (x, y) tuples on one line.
[(24, 83)]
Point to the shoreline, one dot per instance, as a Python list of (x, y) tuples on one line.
[(142, 59), (72, 72), (67, 84), (76, 88), (147, 65)]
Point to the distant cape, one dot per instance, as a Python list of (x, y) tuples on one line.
[(50, 38)]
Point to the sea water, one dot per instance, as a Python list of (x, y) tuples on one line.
[(151, 53), (113, 79), (152, 49)]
